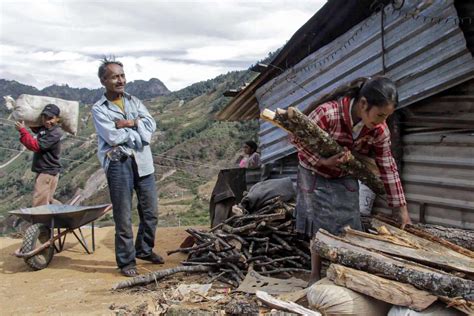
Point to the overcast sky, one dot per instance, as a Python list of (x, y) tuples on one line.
[(179, 42)]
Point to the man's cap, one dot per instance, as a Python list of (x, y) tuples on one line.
[(50, 110)]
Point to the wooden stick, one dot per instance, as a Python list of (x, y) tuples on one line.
[(286, 306), (157, 275)]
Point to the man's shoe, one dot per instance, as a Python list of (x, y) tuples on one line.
[(153, 258)]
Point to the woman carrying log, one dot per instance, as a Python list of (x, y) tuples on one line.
[(354, 116)]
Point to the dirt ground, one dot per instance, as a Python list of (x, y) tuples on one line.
[(75, 282)]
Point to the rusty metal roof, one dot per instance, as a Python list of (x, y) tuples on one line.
[(334, 19)]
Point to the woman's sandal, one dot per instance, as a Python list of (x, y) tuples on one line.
[(129, 272)]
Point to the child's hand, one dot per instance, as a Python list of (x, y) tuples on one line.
[(19, 125)]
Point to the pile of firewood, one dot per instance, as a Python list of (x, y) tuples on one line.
[(263, 240), (408, 268)]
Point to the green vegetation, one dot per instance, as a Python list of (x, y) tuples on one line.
[(189, 144)]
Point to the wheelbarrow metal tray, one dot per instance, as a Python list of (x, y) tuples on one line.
[(65, 216)]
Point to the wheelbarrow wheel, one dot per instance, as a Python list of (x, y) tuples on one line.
[(35, 236)]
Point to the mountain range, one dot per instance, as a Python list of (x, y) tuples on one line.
[(140, 88)]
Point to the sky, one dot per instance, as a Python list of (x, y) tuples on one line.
[(45, 42)]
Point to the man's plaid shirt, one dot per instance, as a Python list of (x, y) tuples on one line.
[(334, 118)]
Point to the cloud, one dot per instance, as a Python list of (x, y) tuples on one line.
[(179, 42)]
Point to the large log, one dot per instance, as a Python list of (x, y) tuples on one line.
[(397, 242), (320, 142), (389, 291), (435, 281)]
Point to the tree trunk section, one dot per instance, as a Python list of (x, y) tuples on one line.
[(389, 291), (437, 282), (320, 142)]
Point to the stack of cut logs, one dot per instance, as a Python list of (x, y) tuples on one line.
[(403, 267), (263, 240)]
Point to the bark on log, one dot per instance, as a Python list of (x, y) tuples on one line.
[(320, 142), (460, 237), (437, 282), (157, 275), (389, 291), (286, 306)]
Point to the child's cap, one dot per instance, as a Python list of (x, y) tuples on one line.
[(50, 110)]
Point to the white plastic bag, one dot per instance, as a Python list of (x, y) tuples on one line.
[(28, 108), (366, 199), (331, 299), (437, 309)]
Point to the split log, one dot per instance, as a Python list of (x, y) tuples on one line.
[(320, 142), (459, 240), (158, 275), (460, 237), (400, 243), (389, 291), (286, 306), (435, 281)]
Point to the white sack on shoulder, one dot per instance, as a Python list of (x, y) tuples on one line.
[(28, 108)]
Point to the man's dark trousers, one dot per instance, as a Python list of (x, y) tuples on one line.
[(123, 178)]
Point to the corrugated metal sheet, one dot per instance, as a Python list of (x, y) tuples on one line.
[(424, 59), (438, 165), (438, 173), (332, 20)]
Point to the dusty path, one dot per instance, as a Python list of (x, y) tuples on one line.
[(75, 282)]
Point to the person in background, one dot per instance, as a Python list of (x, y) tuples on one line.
[(47, 150), (124, 131), (328, 198), (250, 159)]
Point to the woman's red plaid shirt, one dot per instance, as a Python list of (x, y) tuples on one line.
[(334, 118)]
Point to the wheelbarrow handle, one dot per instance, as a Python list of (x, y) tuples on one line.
[(45, 245)]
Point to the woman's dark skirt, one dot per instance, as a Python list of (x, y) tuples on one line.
[(330, 204)]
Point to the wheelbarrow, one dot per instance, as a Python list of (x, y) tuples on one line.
[(40, 241)]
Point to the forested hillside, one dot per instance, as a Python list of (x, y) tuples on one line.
[(189, 148)]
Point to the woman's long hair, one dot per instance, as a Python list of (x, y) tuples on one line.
[(379, 91)]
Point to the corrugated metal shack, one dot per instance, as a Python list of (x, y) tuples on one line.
[(426, 47)]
